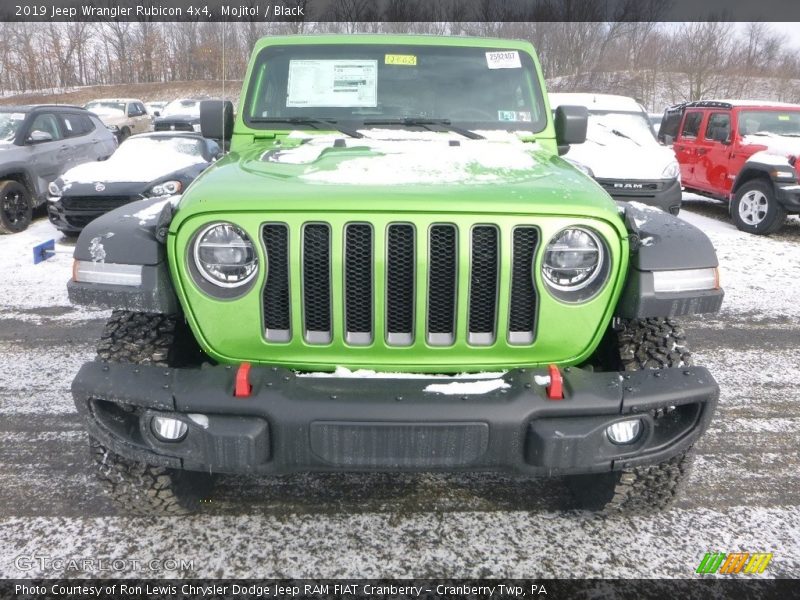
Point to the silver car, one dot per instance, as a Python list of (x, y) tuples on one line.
[(37, 144)]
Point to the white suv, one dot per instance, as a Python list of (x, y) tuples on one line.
[(622, 153)]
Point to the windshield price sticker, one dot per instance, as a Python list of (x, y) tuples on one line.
[(507, 59), (407, 60), (333, 83)]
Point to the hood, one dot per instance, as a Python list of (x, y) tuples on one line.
[(610, 156), (111, 117), (773, 148), (400, 170), (140, 169)]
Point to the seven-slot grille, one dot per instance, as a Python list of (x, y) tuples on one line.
[(449, 287)]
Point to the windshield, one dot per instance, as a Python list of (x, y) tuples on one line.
[(765, 122), (136, 148), (479, 88), (9, 125), (106, 106), (634, 126), (182, 107)]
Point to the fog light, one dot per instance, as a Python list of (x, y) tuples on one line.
[(624, 432), (168, 430)]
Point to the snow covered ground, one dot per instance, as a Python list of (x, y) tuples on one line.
[(744, 494)]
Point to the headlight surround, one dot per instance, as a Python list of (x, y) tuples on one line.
[(671, 171), (225, 256), (166, 188), (575, 264), (54, 190)]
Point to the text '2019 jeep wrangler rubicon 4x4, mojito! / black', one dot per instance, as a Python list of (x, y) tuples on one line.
[(393, 269)]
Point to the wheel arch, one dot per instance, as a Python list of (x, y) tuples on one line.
[(750, 173)]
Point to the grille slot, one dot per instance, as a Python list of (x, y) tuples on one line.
[(442, 277), (484, 271), (277, 315), (317, 282), (358, 283), (522, 312), (96, 203), (400, 259)]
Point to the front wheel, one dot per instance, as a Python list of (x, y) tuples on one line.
[(755, 209), (635, 345), (16, 211), (137, 487)]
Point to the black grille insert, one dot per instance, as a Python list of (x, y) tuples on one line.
[(317, 282), (400, 258), (483, 285), (442, 273), (522, 312), (358, 283), (277, 319)]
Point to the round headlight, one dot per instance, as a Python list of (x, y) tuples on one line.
[(225, 256), (573, 264), (53, 189)]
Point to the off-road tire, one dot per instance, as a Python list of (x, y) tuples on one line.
[(19, 220), (142, 489), (136, 487), (775, 215), (640, 344)]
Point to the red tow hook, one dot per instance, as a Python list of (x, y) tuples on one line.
[(555, 391), (243, 387)]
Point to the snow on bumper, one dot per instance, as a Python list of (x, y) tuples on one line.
[(290, 423)]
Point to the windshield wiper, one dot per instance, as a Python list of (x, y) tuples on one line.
[(617, 132), (426, 123), (315, 123)]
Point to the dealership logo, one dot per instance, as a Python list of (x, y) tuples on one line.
[(99, 187), (734, 563)]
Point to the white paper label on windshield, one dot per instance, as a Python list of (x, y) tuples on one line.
[(506, 59), (335, 83)]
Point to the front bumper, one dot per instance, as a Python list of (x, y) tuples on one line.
[(71, 221), (292, 423), (665, 194), (789, 196)]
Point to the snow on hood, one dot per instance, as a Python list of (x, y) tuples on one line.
[(407, 157), (611, 156), (136, 161), (151, 212), (779, 148)]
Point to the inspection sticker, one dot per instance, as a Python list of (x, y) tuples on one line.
[(506, 59), (407, 60), (334, 83)]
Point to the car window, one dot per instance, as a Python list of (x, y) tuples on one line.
[(691, 124), (719, 127), (140, 107), (46, 123), (76, 125), (10, 122)]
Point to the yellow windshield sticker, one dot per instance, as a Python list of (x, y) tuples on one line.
[(784, 118), (406, 60)]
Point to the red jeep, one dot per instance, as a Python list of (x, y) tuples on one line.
[(743, 152)]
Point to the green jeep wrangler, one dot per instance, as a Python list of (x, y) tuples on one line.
[(393, 270)]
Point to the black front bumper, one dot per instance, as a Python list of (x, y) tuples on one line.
[(293, 423), (789, 196), (71, 221)]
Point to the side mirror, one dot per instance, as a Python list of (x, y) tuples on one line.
[(37, 137), (668, 140), (216, 119), (156, 113), (571, 123)]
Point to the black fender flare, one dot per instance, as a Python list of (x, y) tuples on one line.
[(663, 242), (133, 234)]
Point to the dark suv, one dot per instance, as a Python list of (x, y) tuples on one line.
[(37, 144)]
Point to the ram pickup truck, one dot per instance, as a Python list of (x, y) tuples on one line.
[(742, 152), (393, 270)]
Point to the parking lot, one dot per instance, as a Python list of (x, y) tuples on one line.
[(744, 493)]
